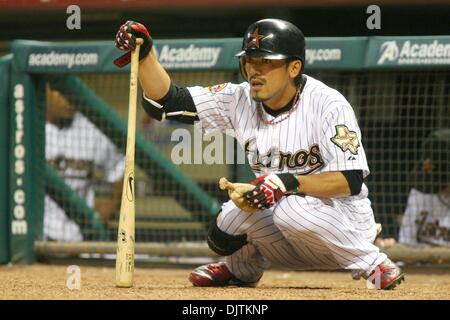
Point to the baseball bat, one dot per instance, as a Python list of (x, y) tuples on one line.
[(125, 232)]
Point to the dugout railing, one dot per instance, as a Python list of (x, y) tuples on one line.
[(399, 88)]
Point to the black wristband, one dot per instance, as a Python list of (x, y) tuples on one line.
[(355, 180), (289, 180)]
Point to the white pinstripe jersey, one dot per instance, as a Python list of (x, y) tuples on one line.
[(426, 220), (74, 152), (320, 135)]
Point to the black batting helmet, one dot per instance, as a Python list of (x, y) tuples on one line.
[(273, 39)]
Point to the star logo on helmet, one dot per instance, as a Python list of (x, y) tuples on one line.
[(255, 38)]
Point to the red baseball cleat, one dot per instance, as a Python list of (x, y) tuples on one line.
[(216, 275), (386, 276)]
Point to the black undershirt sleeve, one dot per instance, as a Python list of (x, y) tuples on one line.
[(355, 180), (177, 105)]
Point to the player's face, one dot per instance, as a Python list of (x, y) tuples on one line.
[(58, 106), (271, 81)]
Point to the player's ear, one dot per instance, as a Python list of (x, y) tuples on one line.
[(294, 68)]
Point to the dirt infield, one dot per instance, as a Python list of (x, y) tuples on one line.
[(41, 281)]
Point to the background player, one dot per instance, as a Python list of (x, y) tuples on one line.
[(302, 140), (76, 149), (426, 220)]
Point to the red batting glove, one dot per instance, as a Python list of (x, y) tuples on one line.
[(270, 189), (126, 41)]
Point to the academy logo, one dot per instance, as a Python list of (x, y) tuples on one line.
[(413, 52), (389, 51), (188, 57), (63, 59)]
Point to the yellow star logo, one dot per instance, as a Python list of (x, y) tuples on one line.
[(346, 139)]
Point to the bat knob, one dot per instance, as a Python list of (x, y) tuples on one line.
[(223, 183)]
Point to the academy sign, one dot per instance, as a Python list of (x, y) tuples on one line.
[(192, 56), (63, 59), (412, 52), (323, 55)]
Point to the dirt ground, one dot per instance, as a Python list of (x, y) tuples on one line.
[(41, 281)]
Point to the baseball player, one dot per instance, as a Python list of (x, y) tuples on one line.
[(75, 148), (426, 220), (301, 137)]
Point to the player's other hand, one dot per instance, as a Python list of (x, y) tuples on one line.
[(126, 40), (270, 189)]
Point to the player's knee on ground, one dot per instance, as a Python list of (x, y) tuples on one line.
[(223, 243)]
